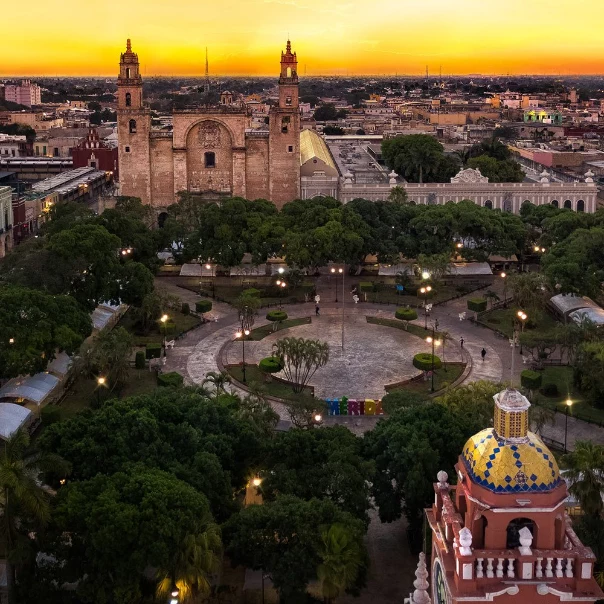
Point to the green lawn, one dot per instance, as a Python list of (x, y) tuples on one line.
[(501, 319), (179, 324), (266, 330), (389, 295), (415, 329), (256, 378), (84, 390), (442, 379), (563, 378)]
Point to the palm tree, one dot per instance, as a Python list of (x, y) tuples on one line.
[(22, 497), (341, 559), (492, 297), (585, 471), (191, 570), (217, 379)]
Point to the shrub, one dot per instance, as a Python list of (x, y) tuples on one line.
[(366, 286), (51, 414), (252, 292), (173, 378), (185, 309), (549, 390), (202, 306), (139, 359), (531, 380), (153, 351), (270, 365), (276, 315), (423, 361), (406, 314), (477, 304)]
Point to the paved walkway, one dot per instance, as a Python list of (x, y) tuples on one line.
[(197, 352)]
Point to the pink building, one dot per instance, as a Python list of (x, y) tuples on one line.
[(27, 94)]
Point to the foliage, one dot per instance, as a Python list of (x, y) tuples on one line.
[(589, 371), (185, 309), (153, 351), (477, 304), (401, 399), (283, 538), (426, 361), (529, 292), (34, 325), (172, 378), (139, 359), (303, 408), (110, 355), (406, 314), (325, 463), (542, 344), (218, 380), (531, 380), (276, 315), (585, 473), (397, 194), (333, 131), (506, 170), (270, 365), (136, 282), (326, 112), (203, 306), (300, 359)]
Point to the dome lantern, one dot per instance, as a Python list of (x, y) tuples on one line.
[(511, 416)]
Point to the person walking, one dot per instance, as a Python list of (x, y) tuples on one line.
[(483, 353), (317, 310), (461, 341)]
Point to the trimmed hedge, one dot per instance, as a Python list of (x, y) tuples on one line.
[(139, 359), (153, 351), (185, 309), (406, 314), (270, 365), (276, 315), (549, 390), (531, 380), (423, 361), (366, 286), (252, 291), (173, 378), (477, 304), (202, 306)]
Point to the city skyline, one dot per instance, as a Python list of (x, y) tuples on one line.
[(342, 38)]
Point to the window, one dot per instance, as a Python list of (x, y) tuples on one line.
[(209, 158), (288, 72), (290, 148), (568, 204), (55, 152), (580, 206), (284, 125), (127, 149), (488, 204), (514, 528), (128, 99), (132, 126), (555, 203), (128, 72), (288, 100)]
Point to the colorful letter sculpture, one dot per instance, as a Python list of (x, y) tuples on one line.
[(349, 406)]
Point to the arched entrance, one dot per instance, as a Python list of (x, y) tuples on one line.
[(513, 531), (161, 219)]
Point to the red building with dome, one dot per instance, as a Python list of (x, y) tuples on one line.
[(501, 534)]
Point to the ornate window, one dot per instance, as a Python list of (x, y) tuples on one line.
[(488, 204), (132, 126), (209, 159), (128, 72)]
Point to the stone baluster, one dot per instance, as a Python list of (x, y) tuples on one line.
[(548, 568), (559, 572), (569, 567), (499, 572), (490, 574), (479, 573), (539, 568), (511, 568)]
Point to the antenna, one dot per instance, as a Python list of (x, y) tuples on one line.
[(206, 86)]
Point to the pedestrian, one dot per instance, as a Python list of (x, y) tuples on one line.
[(461, 341), (483, 353), (317, 310)]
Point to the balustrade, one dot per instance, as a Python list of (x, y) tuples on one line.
[(514, 566)]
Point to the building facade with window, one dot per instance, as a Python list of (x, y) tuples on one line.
[(6, 220), (211, 151), (501, 533)]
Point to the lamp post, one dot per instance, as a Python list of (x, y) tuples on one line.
[(424, 291), (174, 593), (243, 334), (522, 316), (164, 319), (432, 340), (210, 268), (100, 382), (340, 271), (568, 406), (505, 299), (281, 285)]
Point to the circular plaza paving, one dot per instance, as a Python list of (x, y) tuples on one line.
[(373, 355)]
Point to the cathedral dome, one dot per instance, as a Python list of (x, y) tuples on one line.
[(508, 458)]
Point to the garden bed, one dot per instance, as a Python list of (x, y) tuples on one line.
[(277, 387), (266, 330), (501, 320), (179, 324), (442, 378)]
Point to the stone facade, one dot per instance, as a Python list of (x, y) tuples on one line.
[(212, 151)]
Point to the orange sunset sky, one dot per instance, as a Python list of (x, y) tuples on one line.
[(330, 36)]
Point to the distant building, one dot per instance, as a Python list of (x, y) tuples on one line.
[(27, 94), (6, 220), (95, 153), (12, 145), (544, 116)]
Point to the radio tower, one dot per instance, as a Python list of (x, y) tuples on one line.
[(206, 86)]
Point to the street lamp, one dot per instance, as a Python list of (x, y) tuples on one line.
[(505, 300), (432, 340), (210, 268), (318, 418), (569, 404), (163, 320), (341, 272), (100, 381), (11, 340), (257, 481), (424, 291), (174, 593), (243, 334), (281, 285), (522, 316)]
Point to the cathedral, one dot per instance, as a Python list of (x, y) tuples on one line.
[(502, 534), (211, 151)]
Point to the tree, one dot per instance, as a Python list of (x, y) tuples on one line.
[(24, 503), (506, 170), (585, 472), (300, 359), (34, 326), (401, 399), (110, 355), (136, 282), (218, 380), (588, 372), (283, 538), (542, 344), (415, 157), (398, 195), (326, 112), (341, 559), (492, 297), (333, 131), (303, 409), (529, 292)]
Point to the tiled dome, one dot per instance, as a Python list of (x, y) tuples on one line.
[(505, 467)]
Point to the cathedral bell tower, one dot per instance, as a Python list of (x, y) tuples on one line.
[(133, 127), (284, 137)]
